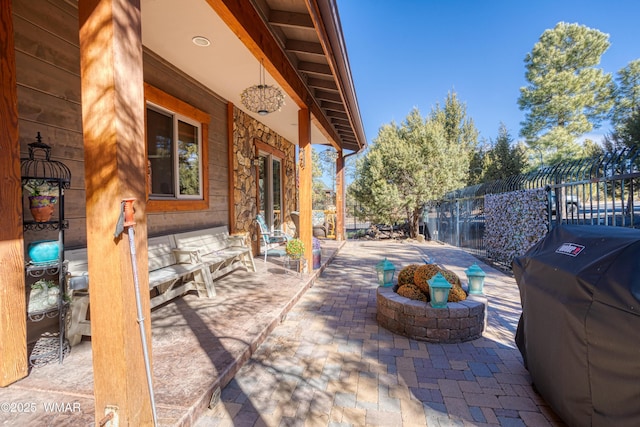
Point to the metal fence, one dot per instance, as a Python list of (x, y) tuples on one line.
[(601, 191)]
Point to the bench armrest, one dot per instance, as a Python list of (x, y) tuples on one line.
[(187, 256), (236, 241), (77, 282)]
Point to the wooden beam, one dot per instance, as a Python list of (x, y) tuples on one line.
[(315, 82), (115, 167), (343, 128), (340, 197), (301, 46), (315, 68), (337, 114), (329, 137), (247, 24), (306, 183), (326, 21), (334, 106), (339, 125), (13, 307), (290, 19), (328, 96)]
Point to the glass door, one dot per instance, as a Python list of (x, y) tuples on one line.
[(270, 189)]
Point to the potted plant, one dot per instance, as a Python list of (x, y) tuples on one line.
[(317, 253), (295, 248), (43, 195), (295, 251), (43, 296)]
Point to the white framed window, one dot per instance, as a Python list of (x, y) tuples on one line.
[(174, 152)]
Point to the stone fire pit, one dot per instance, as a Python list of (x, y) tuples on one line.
[(459, 322)]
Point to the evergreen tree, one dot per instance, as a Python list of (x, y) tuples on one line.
[(189, 168), (318, 197), (478, 164), (626, 111), (591, 149), (567, 96), (504, 160), (627, 100), (412, 163)]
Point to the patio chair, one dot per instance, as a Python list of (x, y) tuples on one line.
[(319, 224), (270, 240), (318, 230), (295, 217)]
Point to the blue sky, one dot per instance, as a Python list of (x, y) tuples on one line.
[(405, 54)]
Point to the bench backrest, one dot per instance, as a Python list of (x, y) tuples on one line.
[(205, 241), (160, 251)]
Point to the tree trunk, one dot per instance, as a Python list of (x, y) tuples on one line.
[(414, 226)]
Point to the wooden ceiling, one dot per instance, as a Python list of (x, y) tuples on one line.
[(301, 42)]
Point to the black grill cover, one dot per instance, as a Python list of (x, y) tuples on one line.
[(579, 332)]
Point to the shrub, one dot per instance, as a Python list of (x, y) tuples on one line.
[(423, 273), (405, 276), (412, 292), (451, 277), (413, 282), (457, 294)]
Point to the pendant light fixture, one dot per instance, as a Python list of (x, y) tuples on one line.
[(262, 98)]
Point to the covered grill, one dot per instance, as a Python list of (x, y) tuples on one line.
[(579, 332)]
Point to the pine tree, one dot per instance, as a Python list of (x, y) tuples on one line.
[(504, 160), (412, 163), (567, 96)]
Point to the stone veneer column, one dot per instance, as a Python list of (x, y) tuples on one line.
[(246, 130)]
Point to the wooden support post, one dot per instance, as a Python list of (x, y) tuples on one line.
[(13, 309), (114, 147), (306, 183), (340, 229)]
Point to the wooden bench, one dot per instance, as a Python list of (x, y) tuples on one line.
[(178, 263), (215, 248)]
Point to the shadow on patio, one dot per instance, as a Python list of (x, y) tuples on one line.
[(198, 345), (329, 363)]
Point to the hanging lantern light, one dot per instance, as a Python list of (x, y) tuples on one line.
[(475, 275), (262, 98), (385, 271)]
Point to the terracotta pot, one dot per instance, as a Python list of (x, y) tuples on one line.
[(42, 207)]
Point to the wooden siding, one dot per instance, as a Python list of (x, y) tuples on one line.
[(48, 89), (48, 86), (164, 76)]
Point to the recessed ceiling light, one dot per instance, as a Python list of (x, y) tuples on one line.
[(201, 41)]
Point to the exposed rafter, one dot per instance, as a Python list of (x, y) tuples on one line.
[(290, 19), (337, 114), (314, 68), (308, 35), (322, 84), (335, 106), (304, 47)]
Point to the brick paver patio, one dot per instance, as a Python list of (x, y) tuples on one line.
[(330, 364), (287, 354)]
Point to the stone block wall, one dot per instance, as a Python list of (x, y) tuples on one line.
[(459, 322)]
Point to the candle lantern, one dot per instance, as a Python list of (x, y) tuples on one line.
[(439, 289), (385, 271), (475, 275)]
